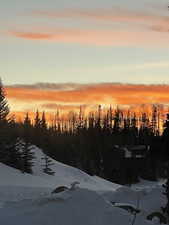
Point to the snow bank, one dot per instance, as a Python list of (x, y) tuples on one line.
[(27, 199), (83, 207)]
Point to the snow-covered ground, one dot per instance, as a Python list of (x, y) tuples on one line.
[(27, 199)]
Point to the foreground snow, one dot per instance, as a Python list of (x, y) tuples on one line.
[(82, 207), (27, 199)]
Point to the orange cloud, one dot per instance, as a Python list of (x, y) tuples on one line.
[(103, 93), (32, 35), (69, 97), (97, 37)]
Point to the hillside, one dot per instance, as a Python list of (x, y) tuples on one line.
[(27, 199)]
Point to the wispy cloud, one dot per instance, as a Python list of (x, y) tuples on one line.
[(49, 86), (97, 37), (124, 28), (149, 20), (115, 14), (32, 35), (150, 65)]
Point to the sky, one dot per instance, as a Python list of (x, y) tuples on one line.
[(71, 48)]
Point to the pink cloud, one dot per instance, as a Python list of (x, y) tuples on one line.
[(138, 28), (31, 35), (116, 14), (97, 37), (146, 19)]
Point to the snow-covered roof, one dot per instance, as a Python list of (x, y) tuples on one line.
[(129, 150)]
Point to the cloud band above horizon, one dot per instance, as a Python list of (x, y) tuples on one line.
[(124, 27), (69, 96)]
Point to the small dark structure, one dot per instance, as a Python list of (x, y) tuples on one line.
[(133, 151), (127, 163)]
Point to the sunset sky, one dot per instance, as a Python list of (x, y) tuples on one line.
[(65, 53)]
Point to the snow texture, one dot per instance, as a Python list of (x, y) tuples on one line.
[(27, 199)]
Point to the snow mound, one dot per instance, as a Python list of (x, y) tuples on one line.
[(83, 207)]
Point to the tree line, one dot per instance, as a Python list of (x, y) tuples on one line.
[(86, 141)]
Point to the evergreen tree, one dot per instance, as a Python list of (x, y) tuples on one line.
[(166, 146), (26, 147), (4, 108), (154, 120), (37, 130), (13, 154), (4, 129), (12, 151), (27, 156), (116, 127), (9, 151), (37, 123), (43, 122), (44, 134), (48, 163)]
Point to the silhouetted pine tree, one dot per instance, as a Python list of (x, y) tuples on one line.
[(37, 123), (116, 127), (165, 137), (9, 152), (154, 120), (26, 146), (37, 129), (43, 123), (4, 108), (4, 129), (13, 153), (134, 129), (44, 134)]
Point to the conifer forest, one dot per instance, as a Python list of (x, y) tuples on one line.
[(96, 143)]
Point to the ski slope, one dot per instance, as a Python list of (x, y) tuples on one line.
[(27, 199)]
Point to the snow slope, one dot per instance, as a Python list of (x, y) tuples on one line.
[(64, 175), (27, 199)]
